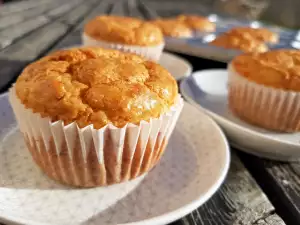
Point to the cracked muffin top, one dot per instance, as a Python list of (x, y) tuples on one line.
[(239, 41), (96, 86), (261, 34), (173, 27), (197, 23), (277, 68), (124, 30)]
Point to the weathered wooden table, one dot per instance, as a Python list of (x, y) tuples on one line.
[(256, 191)]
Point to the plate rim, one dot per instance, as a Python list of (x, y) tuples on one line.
[(218, 117), (186, 62), (196, 203), (174, 214)]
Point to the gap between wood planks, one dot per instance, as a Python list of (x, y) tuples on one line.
[(32, 45), (277, 180)]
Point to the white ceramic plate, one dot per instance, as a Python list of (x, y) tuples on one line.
[(200, 48), (194, 166), (208, 89), (177, 66)]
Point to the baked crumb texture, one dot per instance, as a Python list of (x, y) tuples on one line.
[(246, 39), (198, 23), (173, 27), (239, 41), (96, 86), (261, 34), (124, 30), (277, 69), (264, 89)]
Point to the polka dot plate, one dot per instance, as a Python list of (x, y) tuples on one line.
[(192, 169)]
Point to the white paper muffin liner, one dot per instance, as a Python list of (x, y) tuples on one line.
[(267, 107), (88, 157), (152, 53)]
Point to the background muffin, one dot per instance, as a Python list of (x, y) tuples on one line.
[(261, 34), (126, 34), (173, 28), (264, 89), (239, 41), (197, 23), (92, 117)]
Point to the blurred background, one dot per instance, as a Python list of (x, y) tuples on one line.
[(279, 12)]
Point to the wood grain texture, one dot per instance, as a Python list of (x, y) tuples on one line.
[(18, 55), (63, 8), (270, 220), (78, 12), (8, 35), (281, 181), (147, 11), (132, 9), (169, 8), (74, 37), (15, 18), (19, 6), (30, 47), (240, 201), (118, 8)]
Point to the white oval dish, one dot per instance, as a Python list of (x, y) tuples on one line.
[(208, 90), (193, 168), (177, 66)]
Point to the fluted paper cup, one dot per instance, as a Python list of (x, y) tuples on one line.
[(88, 157), (152, 53), (266, 107)]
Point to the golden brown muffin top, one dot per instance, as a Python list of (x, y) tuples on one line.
[(261, 34), (239, 41), (124, 30), (173, 27), (197, 22), (277, 68), (96, 86)]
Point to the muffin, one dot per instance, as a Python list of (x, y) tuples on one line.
[(264, 89), (261, 34), (173, 28), (126, 34), (239, 41), (197, 23), (93, 117)]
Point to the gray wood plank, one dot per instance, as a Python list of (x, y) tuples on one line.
[(21, 5), (35, 43), (168, 8), (74, 37), (240, 201), (148, 12), (18, 55), (11, 33), (118, 8), (63, 8), (15, 18), (8, 35), (133, 10), (270, 220), (281, 181), (104, 7), (30, 47), (78, 12)]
